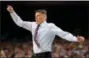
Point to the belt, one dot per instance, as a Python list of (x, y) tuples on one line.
[(43, 53)]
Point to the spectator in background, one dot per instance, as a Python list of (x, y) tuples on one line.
[(27, 47), (19, 51), (56, 51), (28, 53), (2, 54)]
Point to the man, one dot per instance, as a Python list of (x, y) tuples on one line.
[(43, 33)]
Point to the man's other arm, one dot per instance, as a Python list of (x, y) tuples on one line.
[(18, 21), (65, 35)]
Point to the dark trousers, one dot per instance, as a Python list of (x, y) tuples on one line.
[(42, 55)]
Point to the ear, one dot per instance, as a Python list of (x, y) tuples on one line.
[(45, 17)]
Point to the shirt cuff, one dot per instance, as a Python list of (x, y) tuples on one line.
[(75, 39)]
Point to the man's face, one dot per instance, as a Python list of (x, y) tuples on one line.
[(39, 17)]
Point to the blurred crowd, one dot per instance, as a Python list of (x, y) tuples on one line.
[(60, 49), (65, 49)]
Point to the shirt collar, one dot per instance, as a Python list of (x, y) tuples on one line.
[(43, 24)]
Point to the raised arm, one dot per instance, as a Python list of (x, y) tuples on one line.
[(65, 35), (18, 21)]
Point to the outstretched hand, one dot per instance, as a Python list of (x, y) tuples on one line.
[(80, 39), (10, 9)]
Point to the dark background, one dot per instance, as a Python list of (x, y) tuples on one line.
[(69, 16)]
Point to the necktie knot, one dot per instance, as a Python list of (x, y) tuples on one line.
[(38, 25)]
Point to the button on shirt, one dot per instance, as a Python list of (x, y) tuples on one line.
[(46, 33)]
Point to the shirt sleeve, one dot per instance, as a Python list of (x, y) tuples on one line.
[(63, 34), (18, 21)]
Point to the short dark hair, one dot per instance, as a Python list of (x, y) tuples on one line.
[(43, 11)]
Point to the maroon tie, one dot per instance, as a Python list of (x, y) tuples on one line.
[(35, 36)]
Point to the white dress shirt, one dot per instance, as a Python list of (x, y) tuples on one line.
[(46, 33)]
